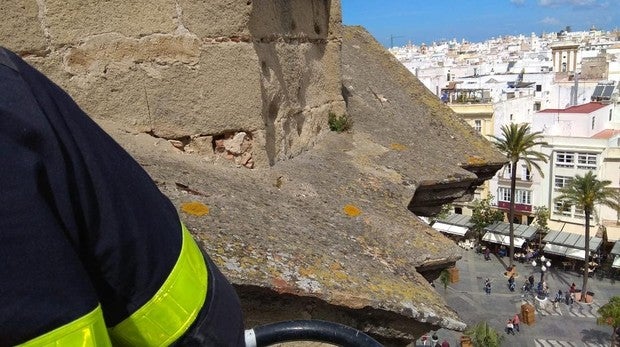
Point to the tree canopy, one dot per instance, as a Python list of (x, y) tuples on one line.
[(483, 214), (610, 314), (484, 335)]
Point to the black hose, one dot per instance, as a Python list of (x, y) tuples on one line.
[(310, 330)]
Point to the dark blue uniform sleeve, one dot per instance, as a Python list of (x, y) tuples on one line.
[(80, 220)]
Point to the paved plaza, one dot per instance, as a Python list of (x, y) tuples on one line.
[(565, 325)]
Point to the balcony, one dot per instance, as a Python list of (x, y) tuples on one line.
[(505, 205), (520, 183)]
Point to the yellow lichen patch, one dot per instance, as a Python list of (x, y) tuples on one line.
[(341, 276), (351, 210), (335, 266), (398, 147), (195, 208), (475, 160), (306, 272)]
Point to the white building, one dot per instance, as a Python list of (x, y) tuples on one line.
[(579, 139), (549, 82)]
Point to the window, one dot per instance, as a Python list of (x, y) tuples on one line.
[(511, 117), (586, 161), (539, 87), (561, 181), (523, 197), (562, 208), (564, 159), (610, 115), (579, 212), (525, 173), (503, 194), (478, 125), (537, 106), (593, 123)]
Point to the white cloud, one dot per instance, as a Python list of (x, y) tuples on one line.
[(550, 21), (575, 3)]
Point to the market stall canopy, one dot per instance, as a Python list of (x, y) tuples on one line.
[(555, 249), (456, 224), (570, 227), (499, 232), (502, 239), (616, 249), (569, 245), (523, 231)]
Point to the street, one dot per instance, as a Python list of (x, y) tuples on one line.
[(564, 325)]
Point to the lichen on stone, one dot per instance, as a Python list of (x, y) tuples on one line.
[(351, 210), (195, 208)]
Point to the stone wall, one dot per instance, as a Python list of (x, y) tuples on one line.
[(594, 68), (195, 72)]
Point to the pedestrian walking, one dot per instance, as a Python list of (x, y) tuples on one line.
[(526, 286), (445, 343), (511, 283), (434, 339), (510, 328), (487, 286), (559, 296), (573, 288), (531, 280), (570, 298), (516, 321)]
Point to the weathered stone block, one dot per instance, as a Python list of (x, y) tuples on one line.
[(115, 51), (120, 96), (291, 18), (301, 84), (212, 19), (69, 21), (22, 14), (335, 20), (216, 96)]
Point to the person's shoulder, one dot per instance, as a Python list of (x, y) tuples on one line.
[(5, 58)]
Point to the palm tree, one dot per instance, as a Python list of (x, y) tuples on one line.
[(483, 335), (585, 192), (610, 315), (517, 143)]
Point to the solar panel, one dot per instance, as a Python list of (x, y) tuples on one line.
[(607, 92), (598, 91)]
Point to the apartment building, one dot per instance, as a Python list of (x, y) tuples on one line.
[(564, 85)]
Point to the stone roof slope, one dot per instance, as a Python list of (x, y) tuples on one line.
[(437, 149), (328, 234)]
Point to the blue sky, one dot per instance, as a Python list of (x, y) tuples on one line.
[(475, 20)]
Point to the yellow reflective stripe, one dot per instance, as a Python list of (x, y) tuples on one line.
[(86, 331), (175, 306)]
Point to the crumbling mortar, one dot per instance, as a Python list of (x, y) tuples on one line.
[(42, 15), (181, 29)]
